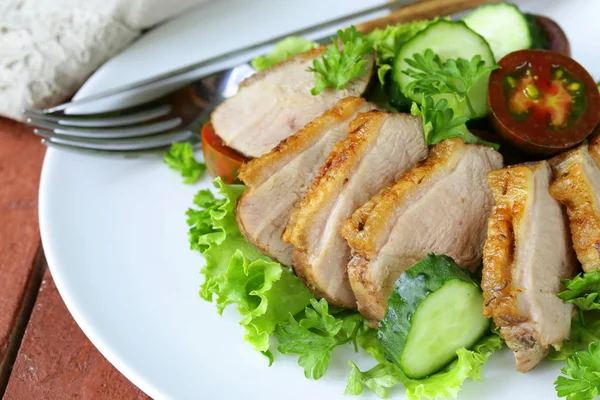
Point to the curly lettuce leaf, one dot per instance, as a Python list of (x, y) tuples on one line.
[(444, 384), (180, 157), (264, 291), (387, 42), (285, 48)]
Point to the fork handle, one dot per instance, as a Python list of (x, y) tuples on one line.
[(424, 9)]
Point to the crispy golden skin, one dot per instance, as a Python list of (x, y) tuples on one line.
[(408, 220), (378, 150), (520, 290), (331, 178), (366, 231), (278, 180), (577, 187), (258, 170)]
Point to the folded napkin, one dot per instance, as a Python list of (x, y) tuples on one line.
[(48, 48)]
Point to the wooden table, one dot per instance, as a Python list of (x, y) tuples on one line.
[(43, 353)]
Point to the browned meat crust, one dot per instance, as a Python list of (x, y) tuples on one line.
[(512, 189), (574, 188), (373, 232), (258, 170), (364, 228), (262, 228), (331, 178)]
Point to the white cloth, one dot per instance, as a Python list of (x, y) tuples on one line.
[(48, 48)]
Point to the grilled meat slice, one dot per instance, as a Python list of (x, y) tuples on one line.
[(278, 180), (577, 187), (526, 256), (440, 206), (379, 149), (273, 104)]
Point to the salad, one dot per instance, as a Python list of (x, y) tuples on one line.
[(426, 192)]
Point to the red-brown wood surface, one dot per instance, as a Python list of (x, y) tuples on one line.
[(57, 361), (52, 357)]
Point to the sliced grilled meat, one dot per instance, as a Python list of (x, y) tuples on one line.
[(527, 255), (577, 186), (440, 206), (278, 180), (380, 148), (273, 104)]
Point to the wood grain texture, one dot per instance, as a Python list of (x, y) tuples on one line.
[(21, 157), (57, 361)]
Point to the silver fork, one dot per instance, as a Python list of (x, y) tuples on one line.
[(149, 124), (150, 127)]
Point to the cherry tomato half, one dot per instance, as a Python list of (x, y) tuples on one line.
[(542, 101), (220, 160)]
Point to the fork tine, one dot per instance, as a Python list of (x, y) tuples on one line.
[(132, 144), (124, 118), (109, 133)]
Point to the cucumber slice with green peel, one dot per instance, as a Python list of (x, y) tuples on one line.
[(447, 39), (503, 26), (435, 309)]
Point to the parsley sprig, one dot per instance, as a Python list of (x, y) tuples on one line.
[(432, 76), (342, 61), (440, 123), (581, 380), (181, 158), (583, 291), (317, 334), (582, 375)]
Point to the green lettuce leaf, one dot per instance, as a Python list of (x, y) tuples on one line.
[(444, 384), (264, 291), (285, 48), (387, 42), (180, 157)]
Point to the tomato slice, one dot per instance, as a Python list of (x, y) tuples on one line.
[(543, 102), (220, 160)]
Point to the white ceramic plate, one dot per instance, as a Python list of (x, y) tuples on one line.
[(115, 235)]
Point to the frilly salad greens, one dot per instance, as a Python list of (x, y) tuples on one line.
[(345, 59), (287, 47), (581, 375), (412, 76), (180, 157), (273, 302)]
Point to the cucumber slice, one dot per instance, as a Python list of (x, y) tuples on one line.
[(448, 40), (436, 308), (503, 26)]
